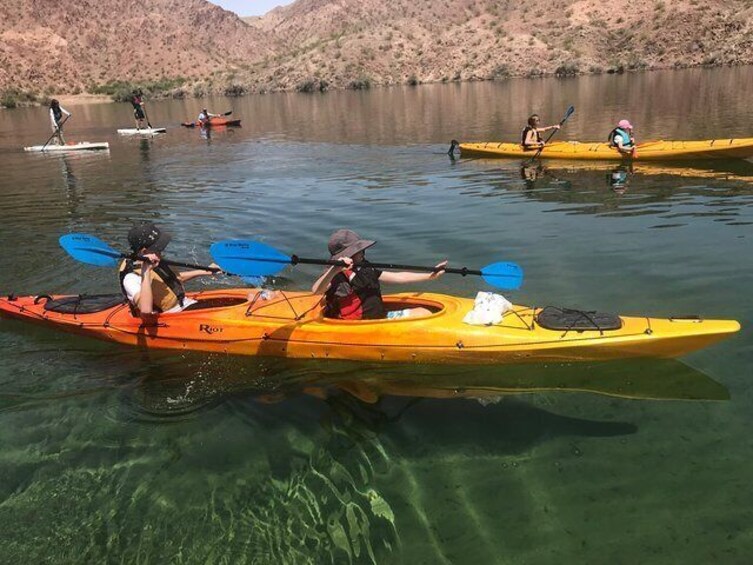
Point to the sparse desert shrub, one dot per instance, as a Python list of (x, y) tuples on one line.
[(234, 90), (362, 83), (313, 85), (13, 97), (567, 70), (501, 72), (413, 80)]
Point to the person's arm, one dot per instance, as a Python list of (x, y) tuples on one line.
[(145, 298), (186, 276), (322, 283), (66, 112), (408, 277), (52, 120)]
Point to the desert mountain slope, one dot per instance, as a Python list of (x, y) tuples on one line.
[(346, 41), (61, 46), (319, 44)]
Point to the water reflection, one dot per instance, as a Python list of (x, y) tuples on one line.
[(165, 390)]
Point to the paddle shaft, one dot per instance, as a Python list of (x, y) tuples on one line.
[(146, 116), (57, 130), (173, 263), (551, 135), (295, 260)]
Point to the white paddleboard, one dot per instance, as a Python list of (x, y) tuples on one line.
[(83, 146), (142, 131)]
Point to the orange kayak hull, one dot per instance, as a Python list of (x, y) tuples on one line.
[(238, 322)]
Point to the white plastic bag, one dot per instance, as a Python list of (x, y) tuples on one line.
[(488, 309)]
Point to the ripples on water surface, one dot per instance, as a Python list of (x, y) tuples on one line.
[(116, 454)]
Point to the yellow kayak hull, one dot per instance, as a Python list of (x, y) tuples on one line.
[(649, 151), (292, 325)]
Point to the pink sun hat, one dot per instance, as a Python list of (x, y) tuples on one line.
[(625, 124)]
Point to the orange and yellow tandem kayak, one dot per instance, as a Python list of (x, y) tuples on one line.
[(649, 151), (291, 324)]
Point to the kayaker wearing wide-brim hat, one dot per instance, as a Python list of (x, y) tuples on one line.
[(622, 139), (353, 292), (150, 286)]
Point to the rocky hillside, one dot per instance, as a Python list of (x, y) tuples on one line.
[(357, 42), (53, 47), (319, 44)]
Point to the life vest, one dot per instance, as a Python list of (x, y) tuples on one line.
[(57, 113), (136, 101), (623, 135), (167, 290), (355, 295), (525, 134)]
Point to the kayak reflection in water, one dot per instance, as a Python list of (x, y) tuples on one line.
[(56, 118), (619, 178), (531, 173), (353, 292), (151, 286), (622, 138), (530, 137)]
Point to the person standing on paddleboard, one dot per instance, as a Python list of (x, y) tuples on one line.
[(622, 139), (353, 292), (56, 118), (531, 138), (137, 99), (150, 286)]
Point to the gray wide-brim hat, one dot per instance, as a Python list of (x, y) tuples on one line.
[(346, 243)]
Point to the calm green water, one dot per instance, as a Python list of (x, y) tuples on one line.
[(110, 454)]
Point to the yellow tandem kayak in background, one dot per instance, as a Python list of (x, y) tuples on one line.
[(649, 151)]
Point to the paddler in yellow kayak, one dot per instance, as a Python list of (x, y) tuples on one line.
[(622, 139), (531, 136), (152, 287), (353, 292), (56, 118)]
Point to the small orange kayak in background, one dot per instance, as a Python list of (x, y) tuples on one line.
[(212, 122)]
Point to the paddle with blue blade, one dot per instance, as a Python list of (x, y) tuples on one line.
[(570, 112), (93, 251), (252, 258)]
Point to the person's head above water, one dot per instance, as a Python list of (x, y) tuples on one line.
[(533, 120), (625, 124), (146, 235)]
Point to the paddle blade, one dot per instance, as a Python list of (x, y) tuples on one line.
[(89, 249), (503, 275), (569, 113), (248, 258)]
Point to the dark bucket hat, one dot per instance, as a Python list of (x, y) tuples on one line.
[(149, 236), (346, 243)]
